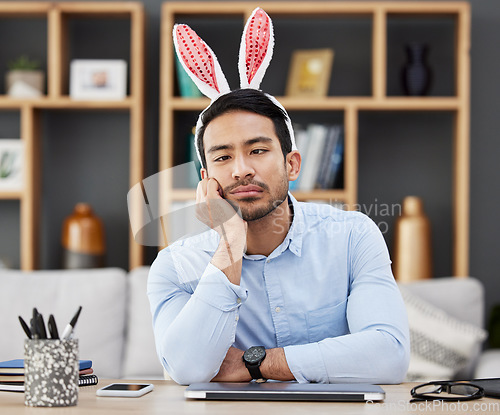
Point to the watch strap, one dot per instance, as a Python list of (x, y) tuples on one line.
[(254, 370)]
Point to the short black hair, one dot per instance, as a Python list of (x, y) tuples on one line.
[(250, 100)]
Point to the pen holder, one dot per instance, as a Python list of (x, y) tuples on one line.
[(51, 372)]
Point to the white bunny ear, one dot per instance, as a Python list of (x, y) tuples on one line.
[(200, 62), (256, 49)]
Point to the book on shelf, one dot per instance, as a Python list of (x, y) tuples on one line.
[(322, 150), (334, 176), (301, 143), (316, 138)]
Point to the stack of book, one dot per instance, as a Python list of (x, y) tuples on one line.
[(322, 150), (12, 375)]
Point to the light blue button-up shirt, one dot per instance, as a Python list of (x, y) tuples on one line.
[(326, 295)]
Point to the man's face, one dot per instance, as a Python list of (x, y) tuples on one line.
[(243, 154)]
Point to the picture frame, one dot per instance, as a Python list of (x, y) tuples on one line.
[(11, 164), (309, 74), (98, 79)]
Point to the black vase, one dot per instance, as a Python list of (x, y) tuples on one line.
[(416, 74)]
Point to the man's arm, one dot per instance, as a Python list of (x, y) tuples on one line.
[(377, 349), (195, 299), (233, 368)]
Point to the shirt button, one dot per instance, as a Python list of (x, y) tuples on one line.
[(237, 318), (277, 309), (268, 261), (238, 300)]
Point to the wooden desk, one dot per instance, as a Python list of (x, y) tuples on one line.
[(168, 398)]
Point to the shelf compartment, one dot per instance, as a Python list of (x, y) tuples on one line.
[(32, 44), (438, 32)]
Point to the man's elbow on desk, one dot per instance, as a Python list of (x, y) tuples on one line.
[(188, 374), (392, 366), (186, 369)]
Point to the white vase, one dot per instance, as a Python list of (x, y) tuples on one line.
[(25, 83)]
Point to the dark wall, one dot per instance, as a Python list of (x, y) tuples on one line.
[(400, 154)]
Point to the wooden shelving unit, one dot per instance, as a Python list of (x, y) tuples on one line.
[(57, 15), (379, 13)]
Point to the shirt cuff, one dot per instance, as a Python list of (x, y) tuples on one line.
[(215, 289), (306, 363)]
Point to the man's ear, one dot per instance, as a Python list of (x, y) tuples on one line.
[(203, 173), (293, 163)]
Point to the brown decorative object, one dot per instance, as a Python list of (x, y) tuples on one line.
[(83, 239), (412, 259)]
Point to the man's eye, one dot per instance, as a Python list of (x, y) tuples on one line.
[(221, 158), (258, 151)]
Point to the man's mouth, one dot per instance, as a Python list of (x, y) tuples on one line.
[(247, 191)]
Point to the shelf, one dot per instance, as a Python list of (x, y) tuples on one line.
[(338, 103), (11, 195), (63, 102), (388, 24), (55, 40)]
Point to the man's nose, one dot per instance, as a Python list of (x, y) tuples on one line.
[(242, 168)]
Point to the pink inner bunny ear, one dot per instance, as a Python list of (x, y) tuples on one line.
[(196, 56), (257, 40)]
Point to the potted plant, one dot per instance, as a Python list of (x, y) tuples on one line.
[(24, 78)]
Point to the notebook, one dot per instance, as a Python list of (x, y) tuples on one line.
[(285, 391), (16, 366)]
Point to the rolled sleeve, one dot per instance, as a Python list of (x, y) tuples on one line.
[(306, 363)]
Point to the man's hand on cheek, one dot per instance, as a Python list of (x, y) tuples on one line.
[(217, 213)]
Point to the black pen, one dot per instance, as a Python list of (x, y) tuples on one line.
[(34, 331), (54, 334), (25, 327), (68, 330), (41, 326)]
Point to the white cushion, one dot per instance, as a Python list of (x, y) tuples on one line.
[(141, 360), (441, 345), (100, 328), (462, 298)]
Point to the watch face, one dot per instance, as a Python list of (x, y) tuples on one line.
[(254, 354)]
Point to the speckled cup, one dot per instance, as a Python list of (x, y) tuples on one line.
[(51, 372)]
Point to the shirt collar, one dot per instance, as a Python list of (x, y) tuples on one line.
[(295, 232), (293, 239)]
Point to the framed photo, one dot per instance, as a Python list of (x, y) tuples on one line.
[(11, 164), (309, 74), (98, 79)]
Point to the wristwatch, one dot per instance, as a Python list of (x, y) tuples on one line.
[(253, 357)]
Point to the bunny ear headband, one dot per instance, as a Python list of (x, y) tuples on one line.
[(202, 66)]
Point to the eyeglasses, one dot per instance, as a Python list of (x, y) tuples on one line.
[(446, 391)]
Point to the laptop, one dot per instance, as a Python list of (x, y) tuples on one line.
[(285, 391)]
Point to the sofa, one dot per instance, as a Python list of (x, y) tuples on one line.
[(115, 330)]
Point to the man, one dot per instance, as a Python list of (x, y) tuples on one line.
[(310, 283)]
